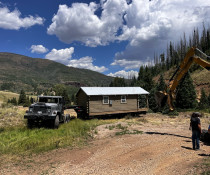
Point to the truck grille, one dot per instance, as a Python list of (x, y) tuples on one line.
[(42, 109)]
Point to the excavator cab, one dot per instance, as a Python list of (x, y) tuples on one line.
[(168, 95)]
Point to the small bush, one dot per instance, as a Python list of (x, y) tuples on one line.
[(128, 132)]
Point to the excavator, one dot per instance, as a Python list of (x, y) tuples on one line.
[(169, 94)]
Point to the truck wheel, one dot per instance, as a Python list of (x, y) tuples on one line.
[(30, 123), (56, 122)]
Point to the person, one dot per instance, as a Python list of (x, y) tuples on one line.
[(209, 129), (195, 124)]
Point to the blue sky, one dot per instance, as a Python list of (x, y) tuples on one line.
[(114, 37)]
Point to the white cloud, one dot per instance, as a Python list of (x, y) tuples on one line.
[(38, 49), (86, 63), (150, 25), (62, 55), (134, 64), (124, 74), (12, 19), (80, 23), (147, 25)]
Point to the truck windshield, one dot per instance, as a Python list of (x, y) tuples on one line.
[(48, 100)]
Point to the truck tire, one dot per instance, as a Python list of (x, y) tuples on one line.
[(30, 123), (56, 122)]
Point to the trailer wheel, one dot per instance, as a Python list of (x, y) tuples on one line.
[(64, 119), (67, 118), (56, 122)]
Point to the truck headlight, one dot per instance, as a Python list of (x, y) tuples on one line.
[(54, 113)]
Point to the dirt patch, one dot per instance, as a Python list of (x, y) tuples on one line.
[(164, 147)]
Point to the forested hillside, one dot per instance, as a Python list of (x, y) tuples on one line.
[(36, 75)]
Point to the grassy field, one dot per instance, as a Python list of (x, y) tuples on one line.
[(17, 139), (4, 96), (21, 141), (11, 117)]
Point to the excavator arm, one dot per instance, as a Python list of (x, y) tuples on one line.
[(169, 94)]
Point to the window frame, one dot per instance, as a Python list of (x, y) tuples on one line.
[(123, 100), (107, 100)]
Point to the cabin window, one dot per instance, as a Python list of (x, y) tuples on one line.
[(123, 99), (105, 99)]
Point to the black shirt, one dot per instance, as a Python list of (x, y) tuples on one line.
[(195, 121)]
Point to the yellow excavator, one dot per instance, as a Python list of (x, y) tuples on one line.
[(169, 94)]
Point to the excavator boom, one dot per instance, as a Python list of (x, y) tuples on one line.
[(169, 94)]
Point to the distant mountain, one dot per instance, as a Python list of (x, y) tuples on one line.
[(22, 72)]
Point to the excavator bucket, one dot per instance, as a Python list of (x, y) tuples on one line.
[(161, 98)]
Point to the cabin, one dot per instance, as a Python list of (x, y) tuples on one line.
[(97, 101)]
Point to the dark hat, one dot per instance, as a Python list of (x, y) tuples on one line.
[(196, 114)]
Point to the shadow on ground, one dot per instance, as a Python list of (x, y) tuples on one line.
[(204, 155), (189, 148), (160, 133)]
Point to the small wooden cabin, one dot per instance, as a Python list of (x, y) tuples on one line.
[(112, 100)]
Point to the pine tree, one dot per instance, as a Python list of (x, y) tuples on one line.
[(27, 102), (203, 104), (133, 81), (209, 100), (151, 98), (141, 73), (22, 98), (118, 82), (73, 98), (8, 101), (61, 90), (31, 100), (14, 101), (186, 95), (161, 86), (148, 82), (111, 84)]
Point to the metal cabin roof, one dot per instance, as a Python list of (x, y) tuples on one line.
[(114, 90)]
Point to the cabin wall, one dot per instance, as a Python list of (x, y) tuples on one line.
[(96, 106)]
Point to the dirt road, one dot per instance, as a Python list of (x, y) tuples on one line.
[(164, 147)]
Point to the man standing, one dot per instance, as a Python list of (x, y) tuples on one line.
[(196, 130)]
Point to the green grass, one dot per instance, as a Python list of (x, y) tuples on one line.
[(10, 117), (4, 96), (22, 141), (205, 166), (123, 132), (124, 129)]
